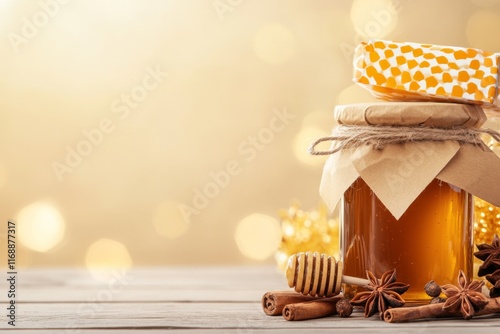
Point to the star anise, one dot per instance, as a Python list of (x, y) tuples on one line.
[(466, 299), (495, 280), (490, 254), (382, 294)]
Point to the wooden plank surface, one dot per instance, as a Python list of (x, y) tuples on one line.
[(184, 300), (152, 285)]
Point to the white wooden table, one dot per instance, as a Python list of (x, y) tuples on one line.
[(181, 300)]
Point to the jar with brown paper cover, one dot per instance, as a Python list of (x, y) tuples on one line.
[(405, 175)]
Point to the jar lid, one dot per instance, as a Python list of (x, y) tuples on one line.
[(431, 114)]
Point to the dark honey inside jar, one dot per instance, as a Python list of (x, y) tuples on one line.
[(432, 240)]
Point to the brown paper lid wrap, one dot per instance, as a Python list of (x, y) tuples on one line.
[(445, 115), (398, 173)]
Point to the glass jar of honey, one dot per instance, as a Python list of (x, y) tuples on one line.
[(431, 240), (422, 223)]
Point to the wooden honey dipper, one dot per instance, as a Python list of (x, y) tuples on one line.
[(317, 274)]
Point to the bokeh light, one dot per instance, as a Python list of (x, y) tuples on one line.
[(302, 142), (478, 27), (41, 226), (374, 18), (106, 256), (274, 43), (258, 236), (170, 220), (315, 125)]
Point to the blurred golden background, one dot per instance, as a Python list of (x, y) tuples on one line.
[(165, 132)]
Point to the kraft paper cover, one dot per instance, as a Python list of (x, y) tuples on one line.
[(423, 72), (399, 173), (433, 114)]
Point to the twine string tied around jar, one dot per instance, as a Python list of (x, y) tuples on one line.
[(354, 136)]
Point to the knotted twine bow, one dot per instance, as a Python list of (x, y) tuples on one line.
[(354, 136)]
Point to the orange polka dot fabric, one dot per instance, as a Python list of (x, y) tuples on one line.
[(424, 72)]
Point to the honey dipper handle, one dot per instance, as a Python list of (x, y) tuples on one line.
[(355, 281)]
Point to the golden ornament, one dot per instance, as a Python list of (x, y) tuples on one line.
[(303, 231), (486, 222), (486, 216)]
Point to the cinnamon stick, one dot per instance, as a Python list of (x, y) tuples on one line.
[(312, 309), (493, 306), (273, 302), (405, 314)]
